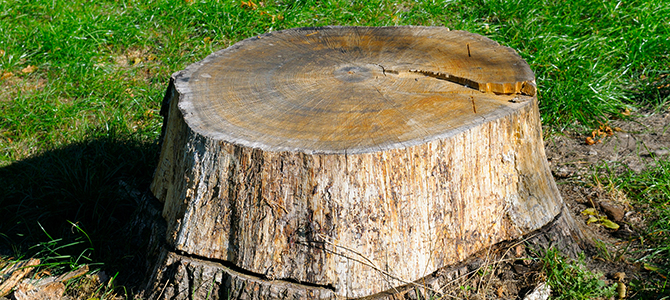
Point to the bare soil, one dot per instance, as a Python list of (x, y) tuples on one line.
[(637, 143)]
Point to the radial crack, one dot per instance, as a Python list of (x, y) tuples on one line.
[(524, 88)]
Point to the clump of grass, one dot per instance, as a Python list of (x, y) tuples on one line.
[(571, 280), (649, 192), (53, 252)]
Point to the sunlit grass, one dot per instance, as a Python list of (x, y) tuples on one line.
[(570, 279), (649, 192)]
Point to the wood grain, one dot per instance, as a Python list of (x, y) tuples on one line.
[(349, 89)]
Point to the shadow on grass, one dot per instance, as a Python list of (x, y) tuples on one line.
[(75, 201)]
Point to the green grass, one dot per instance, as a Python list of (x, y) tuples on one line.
[(87, 116), (572, 280), (649, 192)]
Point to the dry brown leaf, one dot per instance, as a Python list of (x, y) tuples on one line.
[(249, 4), (29, 69), (6, 75), (590, 141), (619, 276), (501, 291), (621, 290)]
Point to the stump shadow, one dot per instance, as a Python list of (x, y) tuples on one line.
[(74, 204)]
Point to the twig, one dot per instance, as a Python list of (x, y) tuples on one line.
[(163, 289), (18, 271)]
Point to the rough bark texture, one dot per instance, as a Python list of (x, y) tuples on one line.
[(190, 278), (346, 162)]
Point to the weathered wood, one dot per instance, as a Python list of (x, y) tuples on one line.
[(181, 277), (353, 160)]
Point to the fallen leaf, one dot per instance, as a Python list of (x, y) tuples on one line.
[(609, 224), (619, 276), (590, 140), (590, 212), (591, 219), (6, 75), (621, 290), (29, 69), (626, 112), (501, 291), (606, 129), (249, 4), (649, 267)]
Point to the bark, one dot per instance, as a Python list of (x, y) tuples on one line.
[(346, 162)]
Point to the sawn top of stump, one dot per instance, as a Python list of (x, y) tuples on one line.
[(351, 89)]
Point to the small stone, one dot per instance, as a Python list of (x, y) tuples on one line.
[(593, 152), (541, 292), (520, 251), (661, 152), (563, 172), (613, 211)]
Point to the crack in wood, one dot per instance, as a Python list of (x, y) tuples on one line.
[(523, 88), (384, 70), (451, 78), (518, 88), (258, 276)]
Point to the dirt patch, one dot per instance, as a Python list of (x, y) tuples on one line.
[(635, 145), (10, 85), (513, 271)]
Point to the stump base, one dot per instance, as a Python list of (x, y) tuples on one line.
[(347, 162), (184, 277), (180, 276)]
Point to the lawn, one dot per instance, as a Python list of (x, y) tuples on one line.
[(81, 84)]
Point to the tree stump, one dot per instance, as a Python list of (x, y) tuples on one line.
[(344, 162)]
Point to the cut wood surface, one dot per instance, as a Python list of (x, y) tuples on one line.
[(349, 90), (350, 160)]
